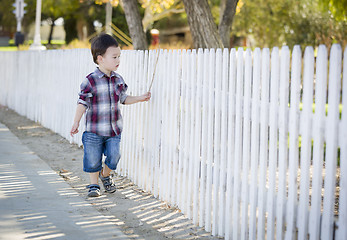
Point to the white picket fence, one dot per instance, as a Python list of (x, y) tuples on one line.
[(229, 137)]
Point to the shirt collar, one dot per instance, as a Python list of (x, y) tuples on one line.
[(101, 74)]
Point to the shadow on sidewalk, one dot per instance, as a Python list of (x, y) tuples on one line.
[(137, 213)]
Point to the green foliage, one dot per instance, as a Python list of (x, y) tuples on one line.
[(76, 13), (267, 23), (338, 8), (173, 21), (288, 22), (7, 18)]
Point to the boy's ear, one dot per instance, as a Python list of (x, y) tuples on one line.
[(99, 59)]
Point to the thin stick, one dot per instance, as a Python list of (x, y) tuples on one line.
[(155, 67)]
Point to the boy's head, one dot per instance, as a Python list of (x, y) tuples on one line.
[(100, 44)]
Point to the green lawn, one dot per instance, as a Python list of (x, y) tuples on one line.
[(9, 48), (25, 46)]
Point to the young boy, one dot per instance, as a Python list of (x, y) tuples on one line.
[(101, 93)]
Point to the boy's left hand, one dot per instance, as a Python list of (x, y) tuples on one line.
[(145, 97)]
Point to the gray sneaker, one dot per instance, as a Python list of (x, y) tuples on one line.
[(108, 183), (94, 190)]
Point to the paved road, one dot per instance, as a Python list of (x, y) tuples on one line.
[(36, 203)]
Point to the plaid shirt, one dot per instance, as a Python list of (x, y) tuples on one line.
[(101, 96)]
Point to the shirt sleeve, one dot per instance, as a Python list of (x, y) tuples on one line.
[(123, 95), (122, 88), (85, 94)]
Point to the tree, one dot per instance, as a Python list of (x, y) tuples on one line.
[(286, 22), (202, 26), (7, 18), (54, 9), (153, 11), (156, 10), (134, 20), (228, 10)]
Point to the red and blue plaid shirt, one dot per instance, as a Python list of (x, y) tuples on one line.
[(101, 95)]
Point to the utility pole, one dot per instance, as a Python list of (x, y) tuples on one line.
[(108, 18), (19, 12), (37, 38)]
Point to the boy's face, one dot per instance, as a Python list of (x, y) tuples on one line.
[(110, 60)]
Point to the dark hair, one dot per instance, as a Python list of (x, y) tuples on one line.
[(100, 45)]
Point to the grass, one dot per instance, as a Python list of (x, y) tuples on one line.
[(55, 44), (29, 42), (8, 48)]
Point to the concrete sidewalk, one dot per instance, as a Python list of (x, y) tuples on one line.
[(36, 203)]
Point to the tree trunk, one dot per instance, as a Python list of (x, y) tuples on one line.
[(226, 21), (222, 5), (79, 26), (134, 20), (70, 29), (51, 31), (202, 27)]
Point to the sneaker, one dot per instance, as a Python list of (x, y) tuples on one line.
[(108, 183), (94, 190)]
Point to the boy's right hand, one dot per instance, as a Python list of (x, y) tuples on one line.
[(74, 129)]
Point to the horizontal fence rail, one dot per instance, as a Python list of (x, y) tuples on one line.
[(248, 144)]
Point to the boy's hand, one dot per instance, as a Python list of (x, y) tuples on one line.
[(136, 99), (145, 97), (74, 129)]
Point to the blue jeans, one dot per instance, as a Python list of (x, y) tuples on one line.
[(94, 146)]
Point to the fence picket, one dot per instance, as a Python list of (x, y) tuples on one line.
[(157, 90), (127, 111), (273, 138), (209, 168), (263, 154), (254, 142), (305, 156), (246, 144), (216, 141), (224, 144), (181, 130), (204, 139), (283, 141), (151, 137), (318, 142), (176, 138), (163, 180), (342, 231), (293, 142), (198, 131), (238, 139), (186, 132), (192, 121), (171, 117), (175, 130), (133, 122), (137, 174), (331, 142), (231, 143), (145, 123)]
